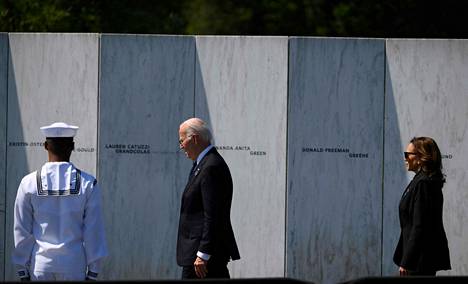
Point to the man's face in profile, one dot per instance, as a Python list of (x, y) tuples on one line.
[(186, 143)]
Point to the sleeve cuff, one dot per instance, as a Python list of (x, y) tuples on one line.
[(203, 256), (23, 273), (95, 266), (91, 275)]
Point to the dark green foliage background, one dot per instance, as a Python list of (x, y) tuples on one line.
[(358, 18)]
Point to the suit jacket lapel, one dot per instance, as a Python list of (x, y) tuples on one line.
[(416, 178), (198, 169)]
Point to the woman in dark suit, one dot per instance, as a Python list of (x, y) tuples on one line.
[(422, 248)]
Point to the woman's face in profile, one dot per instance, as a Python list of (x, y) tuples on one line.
[(411, 160)]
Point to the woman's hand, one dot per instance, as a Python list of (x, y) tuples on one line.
[(403, 272)]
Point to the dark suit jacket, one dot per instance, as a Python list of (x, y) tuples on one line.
[(205, 213), (423, 243)]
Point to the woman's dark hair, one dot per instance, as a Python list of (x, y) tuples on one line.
[(429, 156)]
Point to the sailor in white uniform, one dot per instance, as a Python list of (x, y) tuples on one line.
[(58, 227)]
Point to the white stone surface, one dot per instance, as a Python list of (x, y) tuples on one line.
[(426, 95), (241, 91), (3, 119), (51, 77), (334, 201), (298, 210), (146, 91)]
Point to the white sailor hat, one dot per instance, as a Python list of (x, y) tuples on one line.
[(59, 129)]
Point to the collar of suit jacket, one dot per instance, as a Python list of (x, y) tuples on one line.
[(203, 153)]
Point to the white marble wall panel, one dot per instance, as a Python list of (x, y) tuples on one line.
[(241, 91), (335, 143), (146, 91), (3, 113), (51, 77), (426, 95)]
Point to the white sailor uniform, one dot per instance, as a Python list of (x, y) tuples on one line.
[(58, 226)]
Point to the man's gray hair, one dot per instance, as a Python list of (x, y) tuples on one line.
[(197, 126)]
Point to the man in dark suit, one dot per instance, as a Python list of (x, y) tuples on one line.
[(205, 241)]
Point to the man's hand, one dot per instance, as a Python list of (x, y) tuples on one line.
[(403, 272), (200, 267)]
